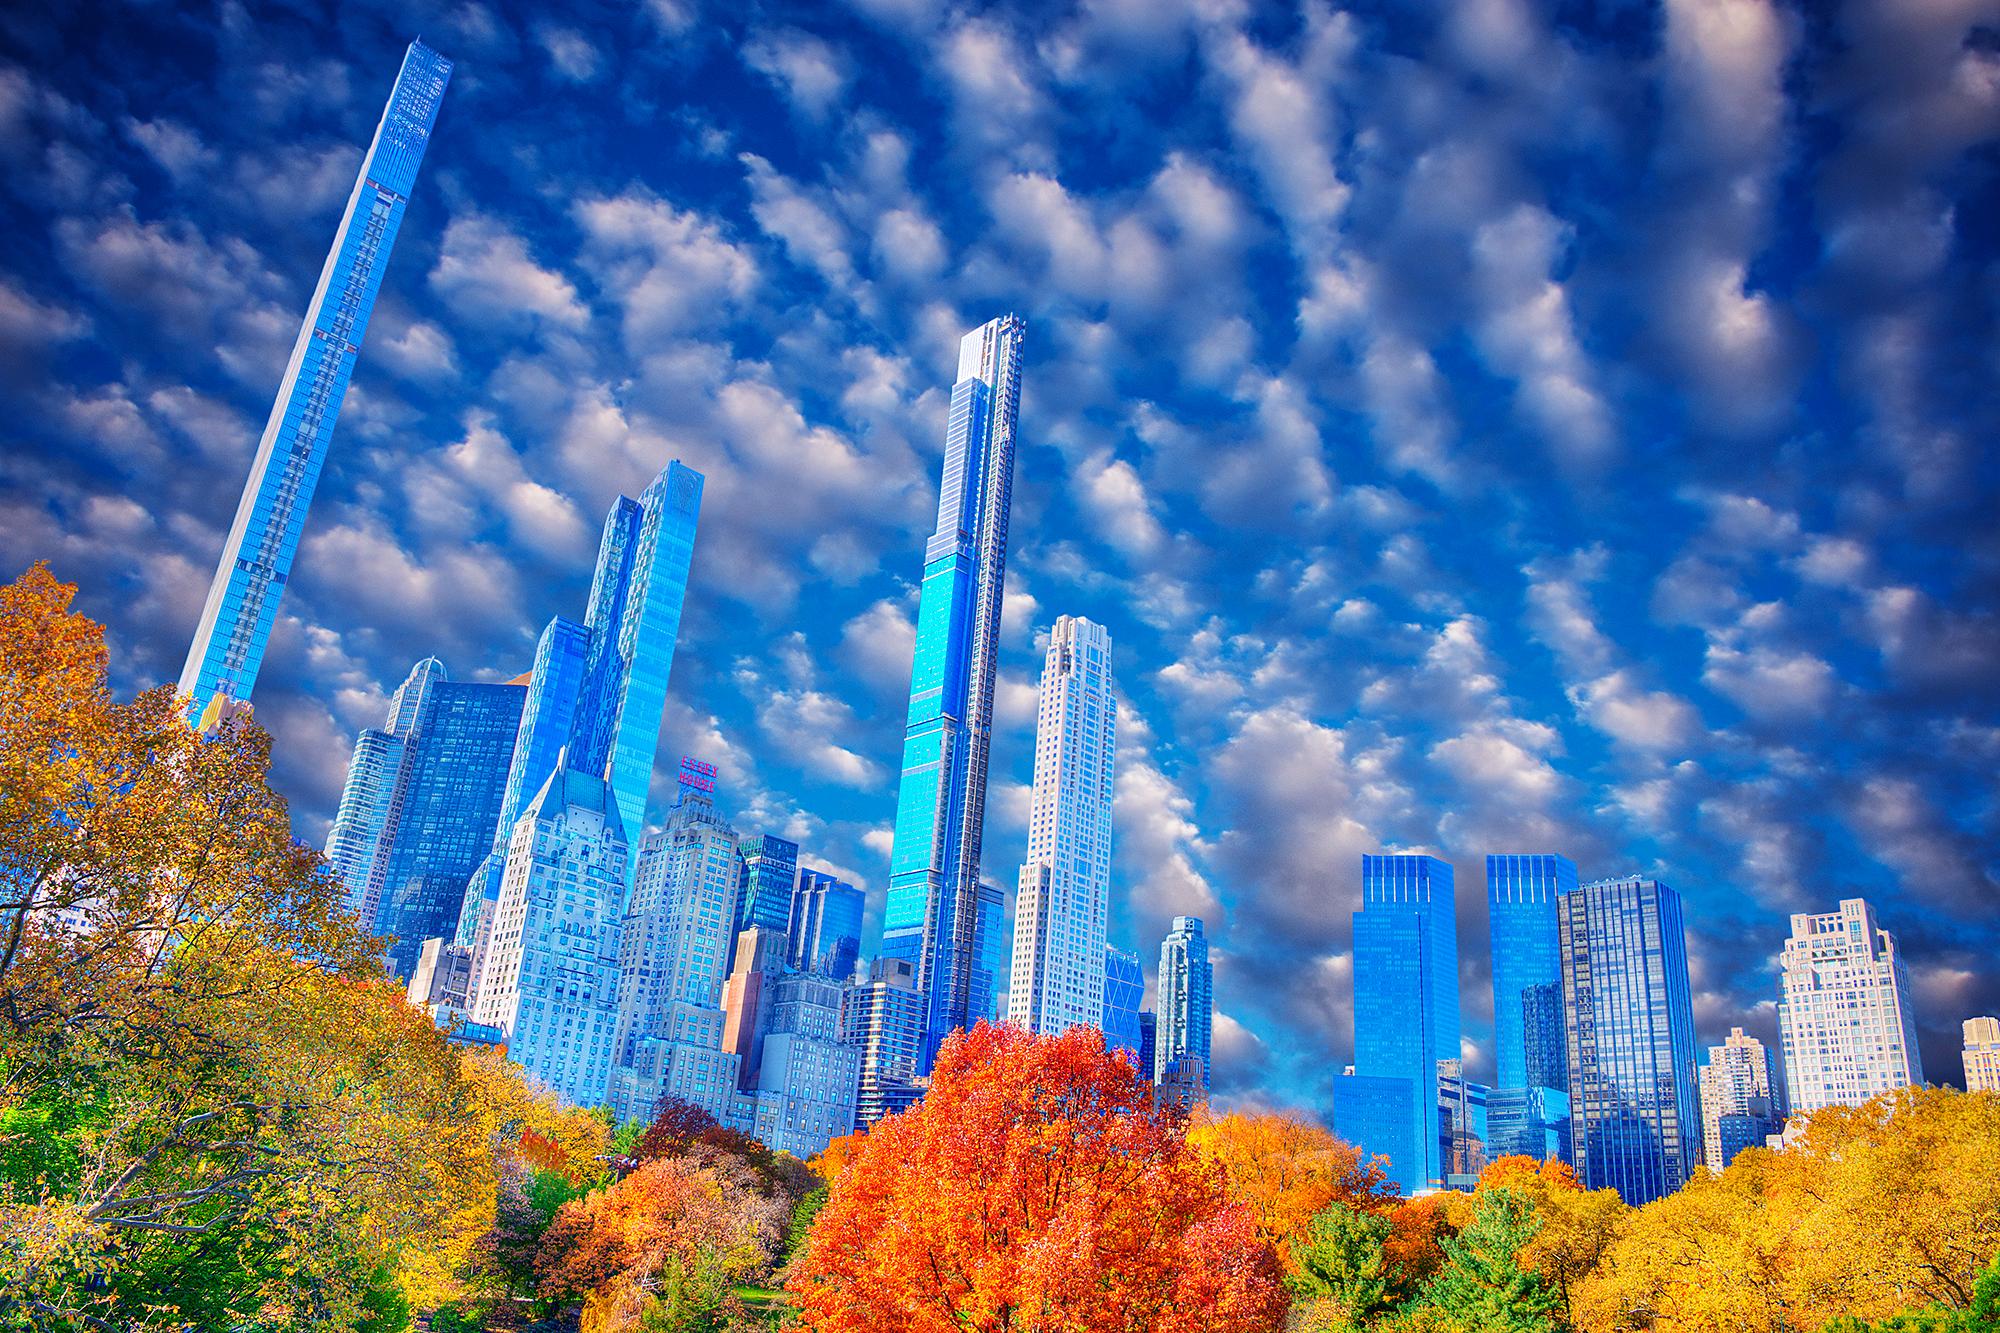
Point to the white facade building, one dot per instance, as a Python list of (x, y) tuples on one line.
[(1064, 891), (807, 1076), (1736, 1081), (1844, 1014), (551, 981), (1982, 1055)]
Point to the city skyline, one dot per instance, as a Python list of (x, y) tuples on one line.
[(1332, 650)]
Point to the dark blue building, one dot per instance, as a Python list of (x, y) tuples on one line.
[(824, 933)]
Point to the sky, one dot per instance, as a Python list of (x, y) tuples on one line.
[(1484, 426)]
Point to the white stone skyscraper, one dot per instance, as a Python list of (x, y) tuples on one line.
[(1064, 891), (1739, 1104), (1844, 1015), (1982, 1055)]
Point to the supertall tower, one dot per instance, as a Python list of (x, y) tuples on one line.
[(1063, 900), (931, 919), (257, 559)]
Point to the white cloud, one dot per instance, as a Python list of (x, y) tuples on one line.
[(485, 273), (811, 73)]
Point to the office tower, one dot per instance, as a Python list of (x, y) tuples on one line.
[(1187, 1004), (441, 980), (1062, 902), (770, 872), (1527, 1122), (1149, 1037), (825, 926), (1634, 1114), (1521, 893), (884, 1017), (416, 813), (551, 981), (1124, 992), (759, 963), (1406, 1015), (1739, 1104), (808, 1077), (1462, 1125), (1845, 1022), (930, 917), (1982, 1055), (673, 948), (989, 959), (242, 605)]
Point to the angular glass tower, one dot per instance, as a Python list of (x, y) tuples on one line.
[(1187, 1002), (1124, 992), (825, 929), (931, 916), (770, 873), (1521, 893), (1635, 1116), (242, 604), (1062, 901), (1406, 1014)]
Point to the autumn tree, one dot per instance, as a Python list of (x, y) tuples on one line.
[(1036, 1188), (1338, 1272), (1287, 1170), (1576, 1226), (1483, 1283)]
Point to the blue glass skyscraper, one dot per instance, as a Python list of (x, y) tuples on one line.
[(1124, 992), (931, 916), (824, 933), (1186, 1018), (1635, 1121), (1521, 893), (770, 872), (1406, 1014), (242, 603)]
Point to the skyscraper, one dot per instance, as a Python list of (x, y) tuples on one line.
[(1521, 893), (770, 872), (1739, 1103), (884, 1016), (1845, 1022), (1186, 1012), (1634, 1115), (931, 916), (1062, 903), (242, 605), (1406, 1015), (1124, 992), (1982, 1055), (825, 928)]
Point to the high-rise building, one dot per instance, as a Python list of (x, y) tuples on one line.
[(674, 948), (1982, 1055), (1463, 1116), (242, 605), (1845, 1023), (770, 873), (746, 993), (1149, 1040), (931, 916), (1527, 1122), (989, 955), (1521, 893), (1629, 1028), (825, 927), (1406, 1015), (416, 813), (884, 1017), (1738, 1095), (1124, 992), (1062, 903), (808, 1076), (551, 980), (1186, 1012)]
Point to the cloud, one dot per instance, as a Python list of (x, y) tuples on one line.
[(812, 74), (485, 272)]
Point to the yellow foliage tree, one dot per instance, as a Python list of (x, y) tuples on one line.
[(1285, 1170)]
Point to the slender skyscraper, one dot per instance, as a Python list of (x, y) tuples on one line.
[(1635, 1121), (1187, 1007), (1845, 1021), (257, 559), (1063, 898), (1739, 1105), (931, 917), (1406, 1015)]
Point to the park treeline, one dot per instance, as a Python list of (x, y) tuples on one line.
[(216, 1114)]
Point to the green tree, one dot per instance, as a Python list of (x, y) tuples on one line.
[(1483, 1285), (1982, 1316), (1340, 1276)]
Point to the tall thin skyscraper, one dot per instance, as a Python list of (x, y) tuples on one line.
[(1982, 1055), (931, 916), (1186, 1016), (242, 606), (1635, 1120), (1124, 992), (1063, 899), (1406, 1015), (1739, 1104), (1845, 1022), (1521, 893)]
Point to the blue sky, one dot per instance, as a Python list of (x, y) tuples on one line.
[(1483, 426)]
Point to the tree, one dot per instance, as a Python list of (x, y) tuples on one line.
[(1483, 1284), (1338, 1271), (1036, 1187), (1287, 1170), (1577, 1225), (1414, 1249)]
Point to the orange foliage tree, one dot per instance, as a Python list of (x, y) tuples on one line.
[(1285, 1170), (1036, 1187)]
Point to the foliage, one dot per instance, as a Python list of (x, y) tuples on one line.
[(681, 1129), (1287, 1170), (1036, 1186), (1418, 1228), (804, 1214), (834, 1160), (1483, 1284), (1576, 1225), (1338, 1273), (1981, 1316)]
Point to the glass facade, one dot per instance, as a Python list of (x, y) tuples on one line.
[(1062, 903), (930, 919), (884, 1016), (242, 604), (1406, 1012), (825, 929), (1124, 992), (1527, 1122), (1521, 893), (1186, 1014), (1634, 1112), (770, 872)]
